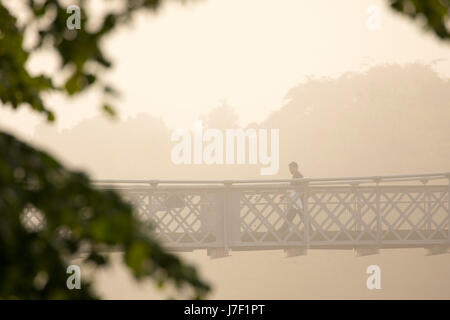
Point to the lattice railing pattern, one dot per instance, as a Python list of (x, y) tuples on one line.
[(181, 218), (264, 217), (419, 215), (340, 213)]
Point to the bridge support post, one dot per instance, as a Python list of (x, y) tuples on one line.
[(426, 206), (379, 212), (226, 223), (307, 218), (356, 213)]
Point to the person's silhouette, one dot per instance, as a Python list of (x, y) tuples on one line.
[(293, 169), (295, 202)]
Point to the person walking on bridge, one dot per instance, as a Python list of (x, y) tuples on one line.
[(295, 202)]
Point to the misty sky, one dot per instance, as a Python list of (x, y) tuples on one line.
[(186, 60)]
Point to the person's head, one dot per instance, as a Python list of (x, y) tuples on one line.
[(293, 167)]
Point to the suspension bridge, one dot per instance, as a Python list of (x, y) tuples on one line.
[(364, 214)]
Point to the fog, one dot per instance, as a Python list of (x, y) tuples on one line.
[(347, 101)]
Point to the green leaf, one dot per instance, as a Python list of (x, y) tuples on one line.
[(109, 110)]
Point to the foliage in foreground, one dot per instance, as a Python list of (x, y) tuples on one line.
[(34, 257)]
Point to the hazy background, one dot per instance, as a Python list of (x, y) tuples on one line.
[(348, 101)]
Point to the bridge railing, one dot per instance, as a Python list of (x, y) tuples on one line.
[(365, 213)]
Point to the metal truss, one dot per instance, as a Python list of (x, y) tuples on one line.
[(364, 213)]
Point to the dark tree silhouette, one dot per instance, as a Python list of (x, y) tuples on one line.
[(435, 12), (75, 215)]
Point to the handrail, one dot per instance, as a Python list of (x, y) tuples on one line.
[(312, 181)]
